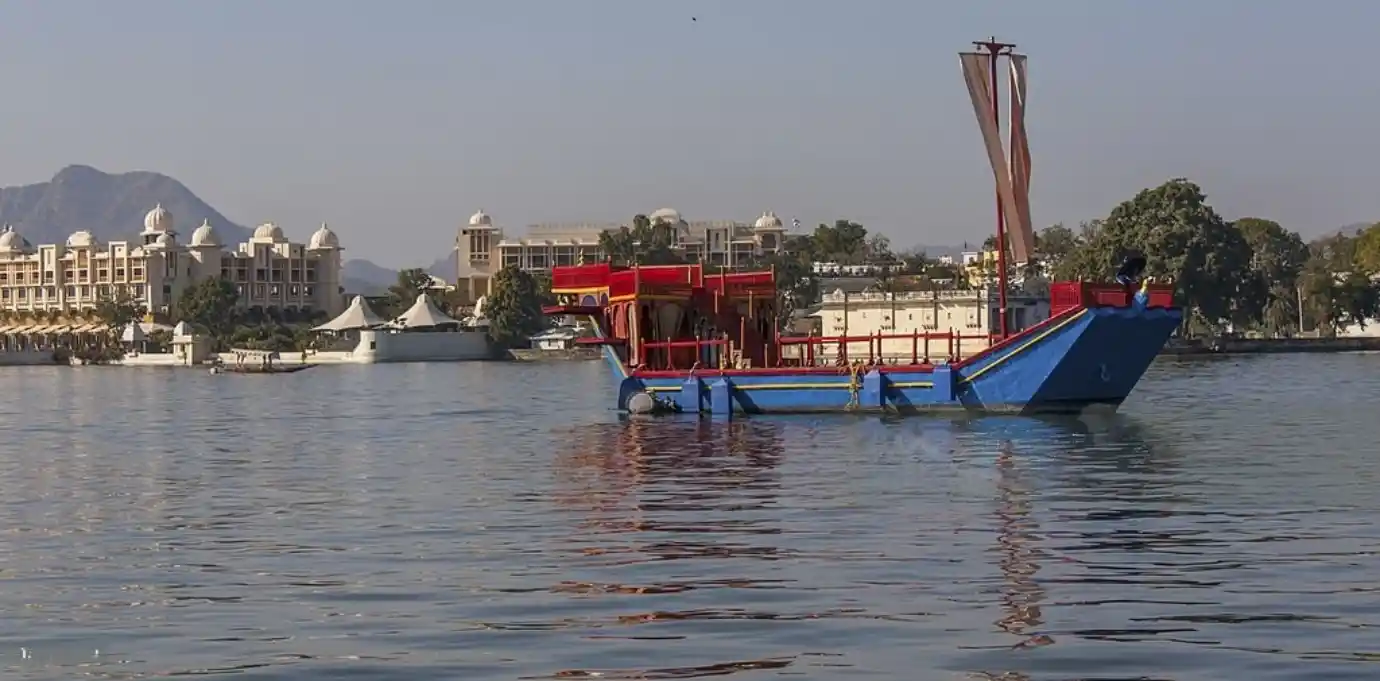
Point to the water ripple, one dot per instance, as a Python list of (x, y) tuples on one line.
[(435, 522)]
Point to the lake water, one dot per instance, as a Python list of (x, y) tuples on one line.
[(443, 522)]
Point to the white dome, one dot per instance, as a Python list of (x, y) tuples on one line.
[(12, 242), (768, 221), (481, 219), (665, 215), (268, 232), (80, 239), (324, 238), (158, 220), (166, 240), (205, 235)]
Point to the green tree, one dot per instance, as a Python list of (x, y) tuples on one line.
[(1277, 259), (1184, 239), (1054, 244), (1335, 293), (844, 242), (210, 304), (645, 243), (618, 245), (411, 283), (513, 308), (797, 286), (118, 310), (1366, 250)]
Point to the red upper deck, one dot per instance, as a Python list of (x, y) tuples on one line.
[(625, 283)]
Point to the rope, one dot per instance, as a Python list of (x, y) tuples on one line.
[(854, 386)]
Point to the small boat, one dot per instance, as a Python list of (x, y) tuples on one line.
[(264, 368)]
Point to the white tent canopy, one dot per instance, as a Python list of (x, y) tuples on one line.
[(133, 334), (423, 315), (357, 316)]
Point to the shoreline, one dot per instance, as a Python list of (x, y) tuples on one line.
[(1270, 346)]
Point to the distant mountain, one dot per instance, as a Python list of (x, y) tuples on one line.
[(365, 278), (444, 268), (111, 207)]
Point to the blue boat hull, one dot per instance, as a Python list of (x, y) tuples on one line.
[(1085, 358)]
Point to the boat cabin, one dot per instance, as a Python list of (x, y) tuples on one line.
[(674, 316)]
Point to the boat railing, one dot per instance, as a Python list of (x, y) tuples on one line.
[(707, 352), (923, 347)]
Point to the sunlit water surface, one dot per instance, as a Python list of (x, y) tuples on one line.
[(490, 521)]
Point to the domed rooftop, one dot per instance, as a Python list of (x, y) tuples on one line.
[(481, 219), (670, 215), (268, 232), (81, 239), (205, 235), (158, 220), (12, 242), (323, 238), (165, 240), (768, 221)]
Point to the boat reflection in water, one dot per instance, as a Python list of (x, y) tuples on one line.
[(652, 495), (673, 489), (1046, 468)]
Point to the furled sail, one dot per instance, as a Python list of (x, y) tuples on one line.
[(1020, 231), (1015, 202)]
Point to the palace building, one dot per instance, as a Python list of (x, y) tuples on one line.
[(269, 271), (482, 248)]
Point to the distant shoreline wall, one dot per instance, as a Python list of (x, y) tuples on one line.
[(1269, 346)]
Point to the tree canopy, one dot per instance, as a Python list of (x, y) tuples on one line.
[(210, 304), (513, 307), (1252, 273), (119, 310)]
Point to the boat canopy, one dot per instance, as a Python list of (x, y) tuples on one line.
[(357, 316), (423, 315), (592, 286)]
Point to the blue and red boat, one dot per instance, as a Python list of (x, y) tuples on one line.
[(680, 340)]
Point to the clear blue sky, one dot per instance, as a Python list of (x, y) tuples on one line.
[(396, 120)]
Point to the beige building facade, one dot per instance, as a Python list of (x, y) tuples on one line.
[(269, 271), (482, 248), (970, 315)]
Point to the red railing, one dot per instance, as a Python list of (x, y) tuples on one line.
[(1065, 295), (923, 346), (667, 360)]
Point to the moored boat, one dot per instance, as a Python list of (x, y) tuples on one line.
[(680, 340)]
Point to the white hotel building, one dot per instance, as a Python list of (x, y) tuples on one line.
[(269, 271)]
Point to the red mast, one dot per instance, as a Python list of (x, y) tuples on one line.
[(994, 51)]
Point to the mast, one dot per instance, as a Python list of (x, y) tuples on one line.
[(1012, 175)]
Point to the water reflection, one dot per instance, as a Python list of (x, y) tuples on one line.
[(672, 490), (1039, 461), (650, 494)]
